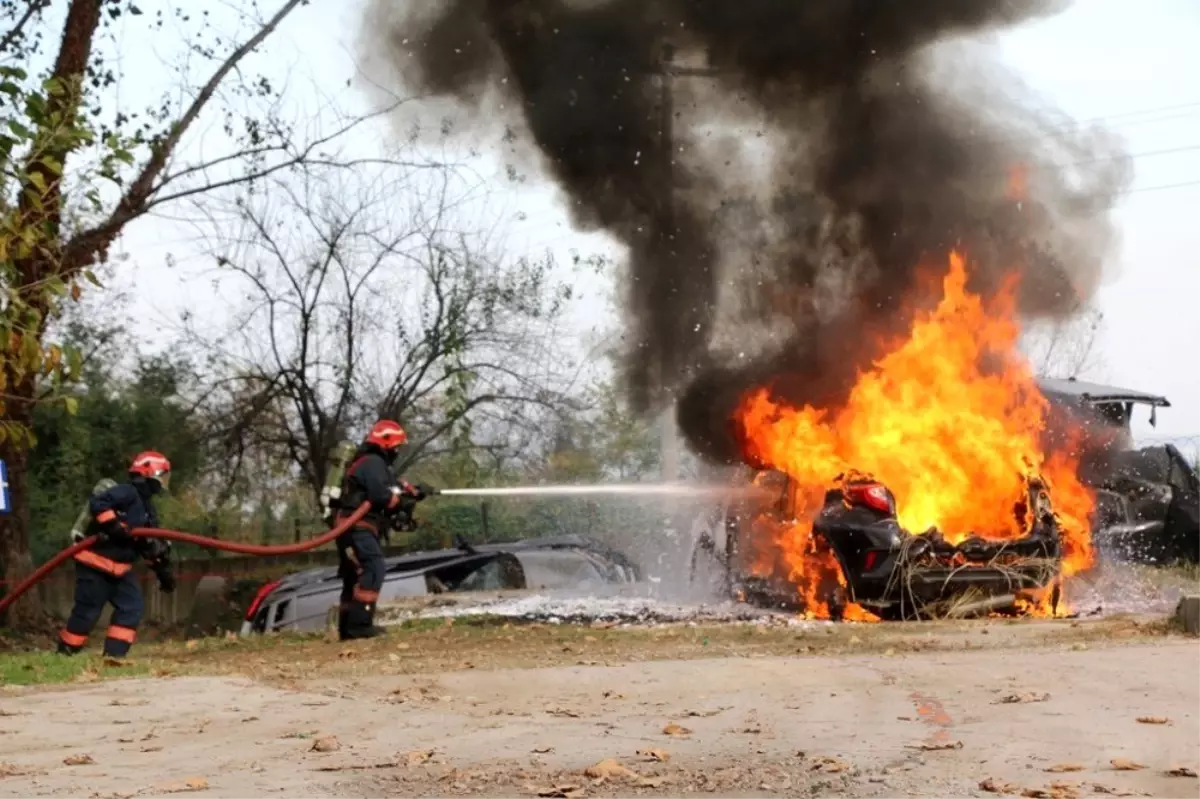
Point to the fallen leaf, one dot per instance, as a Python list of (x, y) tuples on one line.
[(9, 713), (609, 769), (674, 729), (704, 713), (1181, 771), (613, 695), (562, 711), (329, 743), (829, 765), (419, 756), (656, 755), (1122, 764), (360, 767), (996, 786), (1036, 793), (128, 703), (299, 734), (542, 750), (152, 748), (936, 746), (1064, 768), (562, 791), (651, 782), (1021, 699), (78, 760), (190, 784), (13, 770), (1153, 720)]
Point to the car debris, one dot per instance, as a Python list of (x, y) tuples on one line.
[(1147, 498), (1147, 504)]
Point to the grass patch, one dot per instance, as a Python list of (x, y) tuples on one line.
[(51, 668), (464, 622)]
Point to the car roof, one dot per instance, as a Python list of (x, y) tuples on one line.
[(1097, 392), (416, 562)]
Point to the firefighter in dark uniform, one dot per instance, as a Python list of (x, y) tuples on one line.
[(104, 572), (360, 556)]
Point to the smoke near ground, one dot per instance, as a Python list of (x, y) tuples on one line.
[(832, 153)]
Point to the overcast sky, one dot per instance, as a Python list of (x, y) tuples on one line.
[(1099, 61)]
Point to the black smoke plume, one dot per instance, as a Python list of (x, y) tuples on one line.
[(778, 209)]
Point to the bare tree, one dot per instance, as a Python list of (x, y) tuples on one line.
[(1067, 348), (362, 296)]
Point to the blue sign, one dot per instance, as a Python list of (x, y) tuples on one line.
[(5, 500)]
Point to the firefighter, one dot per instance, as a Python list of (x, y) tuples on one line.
[(360, 556), (104, 572)]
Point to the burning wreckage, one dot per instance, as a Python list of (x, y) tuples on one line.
[(983, 488)]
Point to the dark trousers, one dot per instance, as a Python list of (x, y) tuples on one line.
[(361, 567), (93, 590)]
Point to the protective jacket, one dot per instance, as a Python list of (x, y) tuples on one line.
[(370, 478), (131, 505)]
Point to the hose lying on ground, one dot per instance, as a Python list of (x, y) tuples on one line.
[(186, 538)]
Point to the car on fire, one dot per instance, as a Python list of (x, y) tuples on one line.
[(1143, 495), (303, 601), (872, 563)]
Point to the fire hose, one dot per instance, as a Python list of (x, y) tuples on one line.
[(186, 538)]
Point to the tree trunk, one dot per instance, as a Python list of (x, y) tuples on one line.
[(15, 560), (74, 50)]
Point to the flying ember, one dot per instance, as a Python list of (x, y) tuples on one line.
[(950, 420)]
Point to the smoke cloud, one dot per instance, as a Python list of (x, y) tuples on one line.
[(821, 152)]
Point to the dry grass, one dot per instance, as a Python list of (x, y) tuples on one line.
[(428, 646), (489, 642)]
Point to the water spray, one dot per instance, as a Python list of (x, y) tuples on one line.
[(618, 489)]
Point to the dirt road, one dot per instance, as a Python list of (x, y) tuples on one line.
[(931, 723)]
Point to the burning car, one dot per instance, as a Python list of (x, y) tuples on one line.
[(862, 565), (932, 488), (303, 601)]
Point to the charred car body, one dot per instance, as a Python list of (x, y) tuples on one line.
[(303, 601), (884, 568), (1147, 499), (1146, 509)]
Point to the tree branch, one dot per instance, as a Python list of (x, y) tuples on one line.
[(91, 244)]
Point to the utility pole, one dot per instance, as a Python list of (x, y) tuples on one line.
[(666, 70)]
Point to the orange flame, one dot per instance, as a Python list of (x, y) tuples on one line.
[(951, 420)]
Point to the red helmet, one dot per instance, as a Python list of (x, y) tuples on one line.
[(152, 466), (387, 435)]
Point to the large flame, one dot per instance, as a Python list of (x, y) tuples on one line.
[(951, 420)]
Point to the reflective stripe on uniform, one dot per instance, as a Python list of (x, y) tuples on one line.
[(119, 633), (106, 516), (72, 639), (363, 595), (115, 568)]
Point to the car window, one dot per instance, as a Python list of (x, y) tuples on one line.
[(488, 577), (555, 570)]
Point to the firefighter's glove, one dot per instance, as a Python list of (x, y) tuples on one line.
[(166, 577), (117, 531), (423, 490)]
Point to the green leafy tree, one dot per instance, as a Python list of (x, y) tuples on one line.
[(114, 419)]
